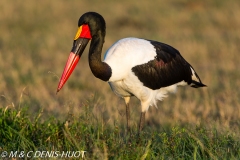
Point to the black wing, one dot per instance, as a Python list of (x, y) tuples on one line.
[(167, 68)]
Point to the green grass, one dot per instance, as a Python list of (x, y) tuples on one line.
[(23, 132)]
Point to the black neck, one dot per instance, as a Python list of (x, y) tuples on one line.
[(99, 69)]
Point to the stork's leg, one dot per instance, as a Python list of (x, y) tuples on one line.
[(128, 116), (142, 120), (127, 99)]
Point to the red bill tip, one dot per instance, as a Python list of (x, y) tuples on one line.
[(69, 67)]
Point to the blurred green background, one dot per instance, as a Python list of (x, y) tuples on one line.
[(36, 38)]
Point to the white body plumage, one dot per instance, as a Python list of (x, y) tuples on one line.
[(122, 57)]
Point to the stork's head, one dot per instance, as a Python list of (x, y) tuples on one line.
[(90, 25)]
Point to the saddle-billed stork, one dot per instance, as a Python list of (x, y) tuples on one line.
[(143, 68)]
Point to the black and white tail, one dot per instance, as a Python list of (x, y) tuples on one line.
[(196, 81)]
